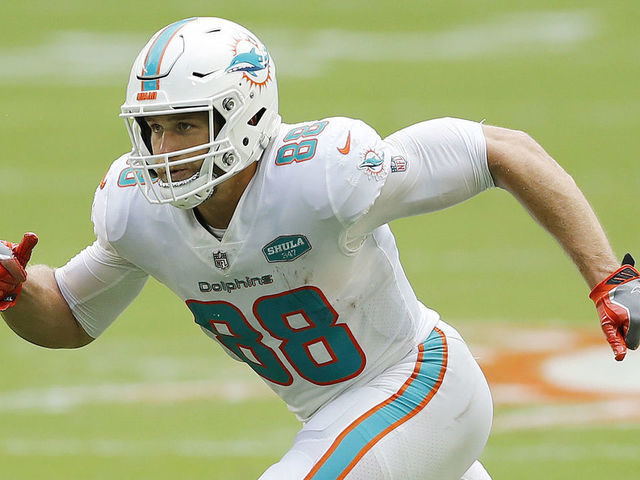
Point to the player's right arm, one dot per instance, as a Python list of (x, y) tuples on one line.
[(42, 316), (70, 306)]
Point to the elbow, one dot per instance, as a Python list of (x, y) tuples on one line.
[(59, 344), (77, 338), (72, 344), (514, 153), (528, 146), (57, 339)]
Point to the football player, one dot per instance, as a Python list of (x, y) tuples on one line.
[(275, 236)]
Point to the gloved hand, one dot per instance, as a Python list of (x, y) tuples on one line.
[(617, 300), (13, 260)]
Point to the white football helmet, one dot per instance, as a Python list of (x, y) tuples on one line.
[(201, 64)]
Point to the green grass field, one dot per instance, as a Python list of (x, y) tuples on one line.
[(153, 397)]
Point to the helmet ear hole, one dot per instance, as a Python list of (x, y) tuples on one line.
[(145, 133), (256, 118), (245, 141), (218, 123)]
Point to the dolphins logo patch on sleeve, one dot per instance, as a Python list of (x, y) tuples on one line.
[(373, 164)]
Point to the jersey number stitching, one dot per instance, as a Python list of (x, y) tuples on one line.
[(303, 150), (302, 324)]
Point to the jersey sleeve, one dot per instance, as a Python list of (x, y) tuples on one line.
[(98, 283), (356, 168), (434, 165)]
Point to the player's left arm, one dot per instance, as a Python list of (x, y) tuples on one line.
[(521, 166)]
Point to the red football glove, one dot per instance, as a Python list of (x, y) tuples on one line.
[(617, 300), (13, 260)]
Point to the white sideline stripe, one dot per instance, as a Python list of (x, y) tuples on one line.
[(564, 453), (62, 447), (567, 415), (542, 417), (78, 58), (59, 447), (60, 399), (506, 35)]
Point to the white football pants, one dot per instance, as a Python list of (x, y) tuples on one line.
[(428, 417)]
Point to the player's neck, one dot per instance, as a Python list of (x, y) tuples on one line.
[(218, 210)]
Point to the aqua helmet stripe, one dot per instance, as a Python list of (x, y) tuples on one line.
[(154, 56)]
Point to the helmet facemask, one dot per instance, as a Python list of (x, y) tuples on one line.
[(155, 170)]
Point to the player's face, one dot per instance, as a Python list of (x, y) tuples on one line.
[(170, 133)]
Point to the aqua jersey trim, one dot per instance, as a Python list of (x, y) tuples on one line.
[(359, 437)]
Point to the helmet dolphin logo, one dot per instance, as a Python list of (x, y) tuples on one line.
[(249, 62)]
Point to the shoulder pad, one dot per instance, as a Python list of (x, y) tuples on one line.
[(113, 198), (358, 168), (338, 163)]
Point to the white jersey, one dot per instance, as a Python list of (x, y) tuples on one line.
[(306, 285)]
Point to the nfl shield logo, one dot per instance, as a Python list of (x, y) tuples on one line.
[(220, 260), (398, 164)]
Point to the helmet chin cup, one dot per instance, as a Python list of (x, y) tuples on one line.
[(201, 65)]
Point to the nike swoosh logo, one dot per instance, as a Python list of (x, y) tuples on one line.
[(202, 75), (347, 147)]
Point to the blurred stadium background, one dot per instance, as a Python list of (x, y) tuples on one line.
[(154, 398)]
